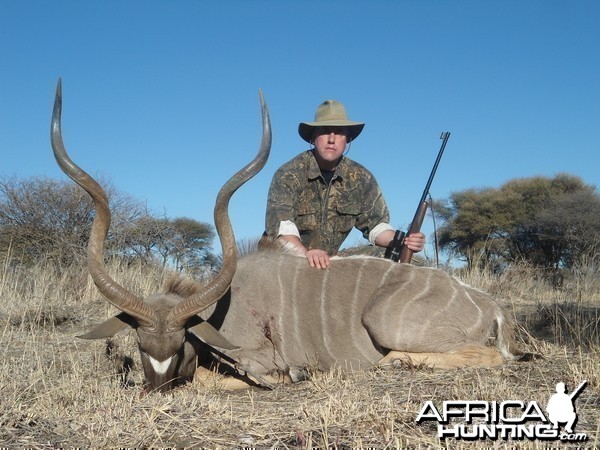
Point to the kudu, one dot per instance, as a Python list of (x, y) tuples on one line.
[(286, 317), (276, 317), (166, 324)]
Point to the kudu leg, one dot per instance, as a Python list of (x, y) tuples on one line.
[(471, 356), (211, 378)]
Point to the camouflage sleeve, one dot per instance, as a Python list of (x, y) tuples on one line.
[(281, 203), (374, 210)]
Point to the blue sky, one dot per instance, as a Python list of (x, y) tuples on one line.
[(161, 98)]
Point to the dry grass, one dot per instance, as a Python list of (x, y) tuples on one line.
[(58, 391)]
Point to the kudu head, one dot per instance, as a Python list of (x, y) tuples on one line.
[(162, 321)]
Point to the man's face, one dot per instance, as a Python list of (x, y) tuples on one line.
[(330, 143)]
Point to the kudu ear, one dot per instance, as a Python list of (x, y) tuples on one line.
[(110, 327), (210, 336)]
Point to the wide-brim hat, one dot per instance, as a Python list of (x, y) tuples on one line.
[(330, 113)]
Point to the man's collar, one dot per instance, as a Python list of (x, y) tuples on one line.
[(315, 172)]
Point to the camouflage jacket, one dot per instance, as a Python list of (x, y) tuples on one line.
[(324, 213)]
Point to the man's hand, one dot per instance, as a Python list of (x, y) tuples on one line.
[(415, 241), (318, 258)]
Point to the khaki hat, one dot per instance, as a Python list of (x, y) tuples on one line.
[(330, 113)]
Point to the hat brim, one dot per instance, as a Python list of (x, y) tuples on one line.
[(306, 129)]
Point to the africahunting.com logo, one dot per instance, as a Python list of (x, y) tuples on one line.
[(511, 419)]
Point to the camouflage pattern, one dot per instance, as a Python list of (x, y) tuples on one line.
[(324, 214)]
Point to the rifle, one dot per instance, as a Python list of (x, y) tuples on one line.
[(397, 251), (576, 392)]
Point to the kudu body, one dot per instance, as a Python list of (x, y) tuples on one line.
[(285, 316), (269, 317)]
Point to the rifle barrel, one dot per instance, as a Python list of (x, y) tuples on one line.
[(397, 250), (445, 135), (578, 390)]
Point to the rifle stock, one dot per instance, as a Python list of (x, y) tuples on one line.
[(415, 226), (397, 251)]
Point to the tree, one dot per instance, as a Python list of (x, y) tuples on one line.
[(41, 217), (45, 218), (573, 220), (549, 222), (143, 239), (182, 242), (191, 242)]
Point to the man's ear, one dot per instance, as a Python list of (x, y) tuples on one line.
[(110, 327)]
